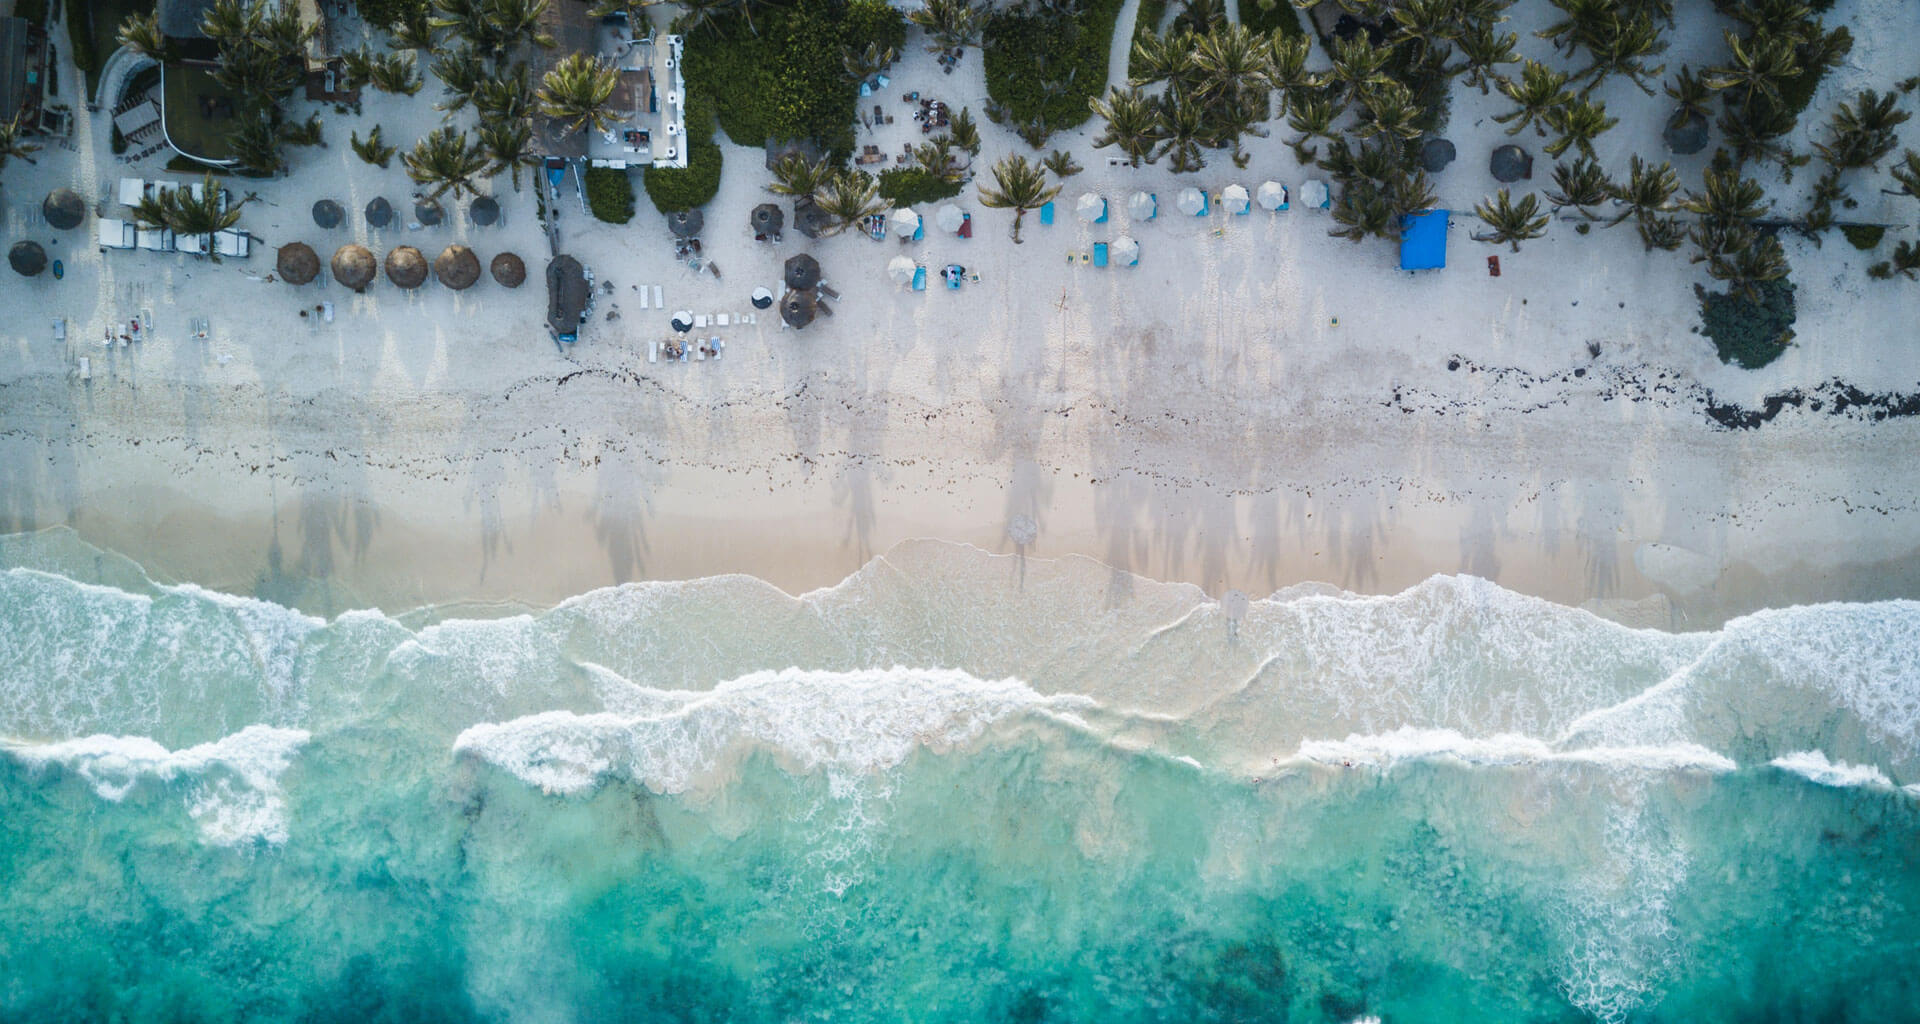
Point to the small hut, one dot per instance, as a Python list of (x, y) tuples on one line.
[(803, 272), (567, 295), (327, 214), (27, 258), (797, 309), (354, 266), (429, 211), (64, 209), (508, 270), (1510, 163), (457, 267), (297, 263), (484, 211), (379, 212), (686, 223), (767, 220), (406, 267)]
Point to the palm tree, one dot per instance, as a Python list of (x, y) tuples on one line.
[(861, 65), (1756, 67), (950, 24), (231, 20), (1313, 118), (1860, 133), (281, 30), (794, 175), (1538, 91), (1648, 191), (372, 149), (935, 156), (1357, 63), (141, 34), (1745, 268), (1690, 94), (1363, 210), (1726, 199), (1664, 233), (1287, 68), (1580, 185), (1482, 51), (1906, 172), (1130, 123), (576, 91), (1062, 164), (445, 160), (1623, 49), (1158, 58), (255, 144), (508, 145), (394, 74), (1511, 222), (1181, 128), (493, 27), (14, 144), (1231, 62), (1905, 262), (1019, 185), (849, 198), (965, 133), (1426, 26), (1578, 122), (506, 97), (1388, 109), (462, 72), (415, 30), (1581, 23), (202, 216)]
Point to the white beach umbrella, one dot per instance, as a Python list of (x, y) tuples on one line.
[(949, 218), (1271, 195), (900, 269), (1090, 206), (1191, 202), (1125, 251), (1141, 206), (1314, 194), (1234, 198), (905, 222)]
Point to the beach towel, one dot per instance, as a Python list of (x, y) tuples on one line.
[(966, 226), (1046, 212), (919, 279), (1099, 254)]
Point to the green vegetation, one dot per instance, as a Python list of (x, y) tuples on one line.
[(197, 129), (1146, 22), (1280, 17), (910, 186), (684, 188), (389, 13), (32, 10), (610, 194), (1749, 332), (783, 76), (1863, 236), (1044, 64)]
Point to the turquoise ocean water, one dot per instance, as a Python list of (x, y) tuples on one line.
[(956, 787)]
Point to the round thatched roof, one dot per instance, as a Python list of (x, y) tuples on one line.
[(685, 223), (1688, 137), (354, 266), (406, 267), (1510, 163), (803, 272), (328, 214), (484, 211), (428, 211), (297, 263), (457, 267), (508, 270), (1435, 155), (797, 309), (27, 258), (767, 219), (379, 212), (64, 209)]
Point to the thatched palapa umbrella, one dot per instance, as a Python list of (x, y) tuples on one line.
[(508, 270), (1688, 137), (297, 263), (406, 267), (484, 211), (27, 258), (64, 209), (354, 266), (428, 211), (797, 309), (457, 267), (767, 220), (379, 212), (1510, 163), (686, 223), (808, 218), (1435, 154), (803, 272), (328, 214)]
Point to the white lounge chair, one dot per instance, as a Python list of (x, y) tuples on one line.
[(720, 320), (86, 368), (659, 302), (700, 320), (653, 352), (643, 296)]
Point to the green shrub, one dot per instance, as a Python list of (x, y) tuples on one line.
[(116, 141), (1282, 17), (80, 36), (684, 188), (786, 80), (910, 186), (610, 194), (388, 13), (1744, 332), (32, 10), (1863, 236), (1027, 49)]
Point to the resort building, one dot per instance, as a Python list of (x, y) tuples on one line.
[(648, 105), (23, 74)]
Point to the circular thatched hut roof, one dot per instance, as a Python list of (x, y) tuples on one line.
[(64, 209), (297, 263), (328, 214), (484, 211), (1688, 137), (428, 211), (508, 270), (1510, 163), (1435, 154), (686, 223), (457, 267), (406, 267), (767, 219), (803, 272), (27, 258), (354, 266), (379, 212), (797, 309)]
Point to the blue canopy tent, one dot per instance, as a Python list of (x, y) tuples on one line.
[(1423, 240)]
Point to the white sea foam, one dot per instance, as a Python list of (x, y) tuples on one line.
[(1409, 744), (1616, 922), (1814, 766), (234, 782)]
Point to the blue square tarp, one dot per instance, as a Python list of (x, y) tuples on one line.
[(1423, 240)]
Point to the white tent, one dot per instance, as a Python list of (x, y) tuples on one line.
[(1314, 194), (1090, 206), (1271, 195), (1126, 251), (949, 218), (905, 222), (132, 190), (901, 269), (1234, 198), (1142, 206), (1191, 202), (115, 234)]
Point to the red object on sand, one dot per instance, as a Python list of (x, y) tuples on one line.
[(1493, 266), (966, 226)]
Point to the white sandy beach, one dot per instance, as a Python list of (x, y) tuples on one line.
[(1200, 417)]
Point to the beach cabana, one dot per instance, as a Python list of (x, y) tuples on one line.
[(1191, 202), (297, 263), (1423, 240), (1143, 206), (1091, 208), (508, 270), (567, 295), (767, 221), (1126, 251), (327, 214), (1510, 163), (64, 209), (406, 267), (797, 309), (457, 267), (354, 266), (686, 223), (900, 270), (950, 218), (802, 273), (1314, 194), (1435, 155), (379, 213), (429, 212), (484, 211), (1234, 199), (27, 258), (906, 224), (1271, 195)]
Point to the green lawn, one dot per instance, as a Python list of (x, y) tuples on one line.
[(102, 35), (189, 124)]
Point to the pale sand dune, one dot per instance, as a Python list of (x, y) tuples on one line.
[(1199, 417)]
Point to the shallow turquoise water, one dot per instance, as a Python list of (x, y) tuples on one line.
[(1093, 799)]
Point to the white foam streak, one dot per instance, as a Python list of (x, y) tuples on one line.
[(1813, 766), (1409, 744)]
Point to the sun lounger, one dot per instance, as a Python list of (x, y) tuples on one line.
[(643, 296), (86, 368), (1099, 254), (966, 225), (658, 301), (919, 279), (716, 344), (1046, 213), (700, 320), (720, 320), (653, 352)]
